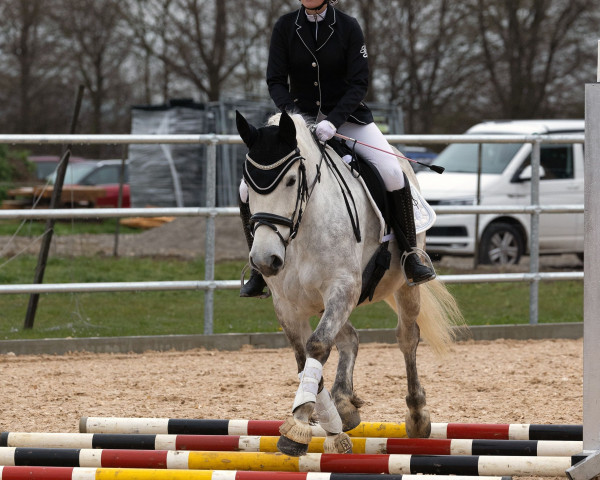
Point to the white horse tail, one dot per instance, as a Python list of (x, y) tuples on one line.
[(440, 319)]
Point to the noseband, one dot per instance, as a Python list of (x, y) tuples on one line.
[(303, 194)]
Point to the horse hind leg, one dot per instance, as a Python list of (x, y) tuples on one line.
[(344, 397), (418, 423)]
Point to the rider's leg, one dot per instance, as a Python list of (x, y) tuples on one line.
[(401, 215), (254, 287)]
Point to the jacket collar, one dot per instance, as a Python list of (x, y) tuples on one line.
[(303, 28)]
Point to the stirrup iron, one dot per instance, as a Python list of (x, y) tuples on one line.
[(265, 294), (426, 261)]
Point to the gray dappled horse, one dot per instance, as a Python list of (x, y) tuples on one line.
[(305, 248)]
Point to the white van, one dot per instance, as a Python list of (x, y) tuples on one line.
[(506, 180)]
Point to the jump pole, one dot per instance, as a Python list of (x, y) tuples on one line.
[(247, 443), (589, 466), (492, 431), (311, 462), (64, 473)]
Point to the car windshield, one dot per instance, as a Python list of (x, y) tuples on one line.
[(75, 172), (462, 157)]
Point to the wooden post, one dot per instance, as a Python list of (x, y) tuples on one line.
[(49, 230)]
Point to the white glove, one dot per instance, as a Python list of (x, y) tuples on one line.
[(325, 130)]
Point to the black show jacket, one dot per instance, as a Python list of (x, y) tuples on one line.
[(328, 75)]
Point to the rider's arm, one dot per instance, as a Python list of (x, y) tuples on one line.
[(278, 70), (357, 77)]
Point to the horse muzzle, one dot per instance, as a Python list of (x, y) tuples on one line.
[(268, 265)]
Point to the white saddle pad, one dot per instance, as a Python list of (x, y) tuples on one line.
[(424, 214)]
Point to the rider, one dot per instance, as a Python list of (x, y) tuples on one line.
[(318, 67)]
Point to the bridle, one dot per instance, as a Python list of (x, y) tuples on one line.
[(303, 194)]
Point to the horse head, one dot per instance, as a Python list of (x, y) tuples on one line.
[(276, 176)]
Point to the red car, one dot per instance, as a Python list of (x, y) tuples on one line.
[(103, 173), (46, 164)]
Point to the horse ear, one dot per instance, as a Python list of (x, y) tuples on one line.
[(246, 131), (287, 130)]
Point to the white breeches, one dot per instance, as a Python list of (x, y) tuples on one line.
[(388, 166)]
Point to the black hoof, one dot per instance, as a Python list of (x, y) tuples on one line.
[(289, 447), (351, 421)]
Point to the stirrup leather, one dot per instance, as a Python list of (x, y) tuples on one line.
[(422, 255), (265, 294)]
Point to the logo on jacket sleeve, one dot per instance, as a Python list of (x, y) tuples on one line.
[(363, 51)]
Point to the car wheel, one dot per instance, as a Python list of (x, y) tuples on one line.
[(501, 244)]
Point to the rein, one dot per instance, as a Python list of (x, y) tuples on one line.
[(346, 192)]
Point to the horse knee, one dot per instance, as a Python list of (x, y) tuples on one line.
[(318, 349)]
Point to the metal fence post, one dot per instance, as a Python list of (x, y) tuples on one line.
[(534, 247), (477, 202), (591, 286), (209, 263)]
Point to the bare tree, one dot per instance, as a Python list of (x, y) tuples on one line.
[(99, 49), (529, 45), (425, 57), (30, 69)]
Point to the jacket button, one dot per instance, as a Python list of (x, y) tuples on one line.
[(314, 64), (316, 84), (318, 103)]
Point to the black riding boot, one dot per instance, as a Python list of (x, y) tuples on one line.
[(254, 287), (402, 221)]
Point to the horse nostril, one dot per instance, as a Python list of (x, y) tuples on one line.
[(276, 262)]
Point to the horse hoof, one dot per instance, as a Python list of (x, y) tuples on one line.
[(289, 447), (339, 443), (419, 427), (349, 413), (350, 420)]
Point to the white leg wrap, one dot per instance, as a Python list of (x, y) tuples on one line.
[(309, 383), (329, 418)]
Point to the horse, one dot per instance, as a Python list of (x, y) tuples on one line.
[(305, 202)]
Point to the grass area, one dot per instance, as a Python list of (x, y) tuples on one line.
[(156, 313), (35, 228)]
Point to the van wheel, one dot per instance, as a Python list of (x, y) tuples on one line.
[(501, 244)]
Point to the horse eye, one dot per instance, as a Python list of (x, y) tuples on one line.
[(291, 181)]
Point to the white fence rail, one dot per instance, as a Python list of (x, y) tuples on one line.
[(209, 285)]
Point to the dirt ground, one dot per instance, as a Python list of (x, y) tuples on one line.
[(502, 381)]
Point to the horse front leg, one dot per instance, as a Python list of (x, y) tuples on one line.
[(296, 432), (418, 423)]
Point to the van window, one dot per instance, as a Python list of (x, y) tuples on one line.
[(462, 157), (557, 161)]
